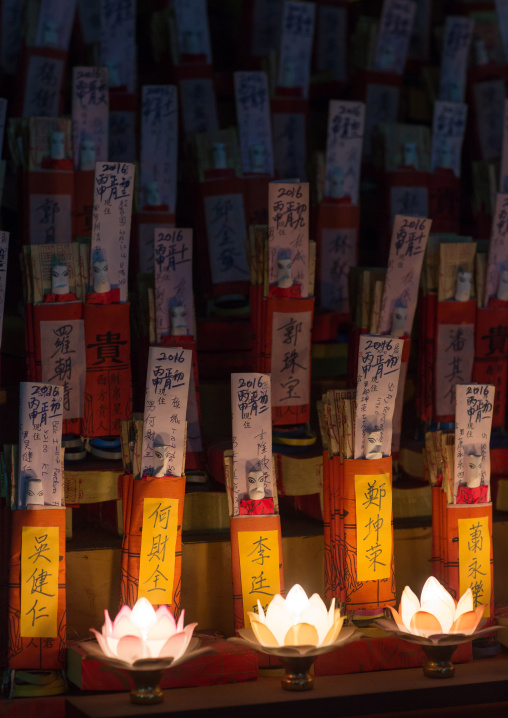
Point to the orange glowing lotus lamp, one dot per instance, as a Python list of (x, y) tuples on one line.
[(296, 630), (438, 624), (144, 643)]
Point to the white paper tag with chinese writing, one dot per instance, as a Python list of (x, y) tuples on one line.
[(226, 231), (10, 34), (296, 45), (489, 97), (288, 234), (251, 410), (199, 108), (254, 126), (379, 361), (122, 136), (63, 362), (456, 44), (193, 34), (338, 254), (496, 281), (146, 245), (167, 391), (448, 128), (289, 144), (407, 248), (473, 423), (159, 147), (50, 218), (454, 363), (331, 41), (40, 441), (90, 108), (395, 30), (173, 282), (291, 338), (409, 201), (344, 149), (56, 18), (266, 26), (118, 42), (111, 225), (43, 85), (4, 253)]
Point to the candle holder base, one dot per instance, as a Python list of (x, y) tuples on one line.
[(146, 691), (298, 676), (439, 661)]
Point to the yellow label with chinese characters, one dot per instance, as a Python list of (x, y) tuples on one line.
[(158, 546), (39, 582), (474, 560), (259, 569), (373, 495)]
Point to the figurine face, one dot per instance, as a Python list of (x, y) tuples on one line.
[(256, 485), (219, 157), (473, 464), (410, 155), (463, 291), (162, 455), (113, 73), (290, 74), (502, 289), (178, 321), (34, 493), (285, 273), (59, 279), (101, 277), (87, 155), (257, 157), (50, 33), (372, 446), (153, 198), (337, 182), (57, 145), (399, 322)]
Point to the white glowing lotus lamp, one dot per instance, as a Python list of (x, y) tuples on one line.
[(438, 623), (296, 630), (145, 642)]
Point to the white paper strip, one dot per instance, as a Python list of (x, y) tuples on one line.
[(296, 45), (199, 109), (192, 28), (395, 29), (288, 232), (456, 44), (454, 363), (43, 85), (331, 42), (448, 128), (118, 42), (56, 18), (254, 127), (173, 282), (63, 362), (226, 232), (496, 281), (90, 110), (4, 253), (290, 144), (344, 149), (338, 254), (290, 371), (159, 147)]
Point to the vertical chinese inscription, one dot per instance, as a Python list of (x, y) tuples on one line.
[(454, 365), (291, 358), (39, 581), (259, 569), (474, 560), (63, 362), (373, 495), (173, 281), (158, 544)]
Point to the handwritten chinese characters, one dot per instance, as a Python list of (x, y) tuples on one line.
[(4, 251), (111, 224), (259, 569), (158, 545), (344, 149), (454, 365), (394, 35), (288, 231), (489, 97), (473, 422), (159, 147), (253, 114), (498, 249), (118, 42), (291, 358), (379, 360), (338, 254), (193, 34), (373, 495), (43, 86), (39, 581), (226, 230), (167, 390), (456, 44), (199, 109), (474, 560), (174, 307), (90, 107), (448, 129), (40, 441), (289, 144), (63, 362), (252, 432)]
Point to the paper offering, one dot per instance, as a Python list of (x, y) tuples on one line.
[(227, 234), (174, 305), (344, 149), (395, 29), (251, 409), (289, 144), (159, 147), (489, 97), (407, 249), (288, 235), (199, 110), (296, 46), (167, 391), (40, 442), (111, 226), (496, 283), (454, 363), (90, 110), (63, 361), (338, 254), (118, 42), (4, 252), (448, 128), (193, 35), (254, 123), (503, 177), (473, 421), (331, 41), (379, 361), (457, 41), (43, 85), (290, 370)]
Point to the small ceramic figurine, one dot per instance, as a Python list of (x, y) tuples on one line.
[(34, 492), (162, 456), (257, 157), (178, 319), (463, 289), (410, 155), (191, 42), (502, 287), (59, 278), (113, 73), (445, 156), (473, 491), (219, 156), (372, 445), (57, 145), (257, 503), (87, 152), (337, 183), (256, 484), (399, 320), (50, 34), (101, 283), (284, 269), (152, 194), (290, 73)]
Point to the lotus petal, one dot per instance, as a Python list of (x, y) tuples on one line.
[(278, 620), (331, 613), (163, 611), (479, 610), (125, 627), (261, 613), (107, 628), (143, 614), (433, 589), (425, 624), (162, 630), (296, 600), (103, 643), (179, 626), (316, 615), (398, 619), (333, 633), (441, 610), (409, 605), (465, 603), (263, 634), (124, 611), (130, 648), (465, 623), (303, 634), (174, 646)]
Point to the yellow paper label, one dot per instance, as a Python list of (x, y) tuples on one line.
[(158, 546), (39, 582), (474, 560), (373, 494), (259, 569)]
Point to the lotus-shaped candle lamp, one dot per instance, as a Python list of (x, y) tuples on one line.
[(145, 642), (437, 623), (296, 630)]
